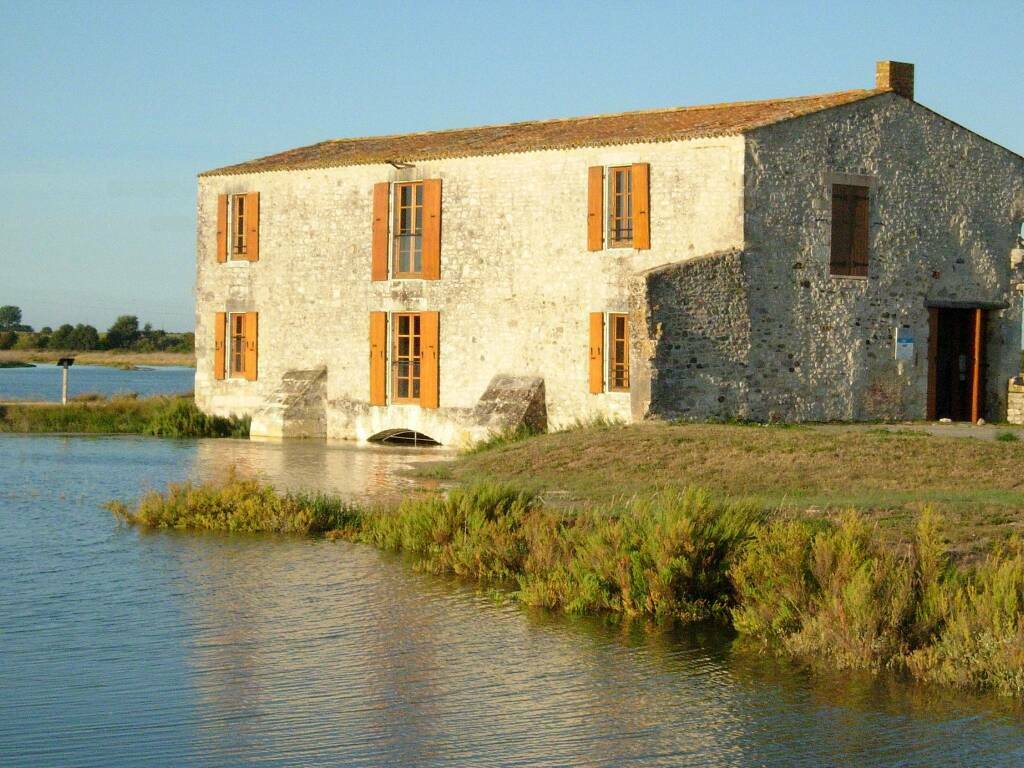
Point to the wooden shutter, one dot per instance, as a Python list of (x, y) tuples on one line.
[(977, 364), (252, 226), (378, 358), (595, 208), (861, 233), (251, 331), (222, 228), (379, 247), (432, 229), (641, 206), (219, 328), (429, 347), (596, 363)]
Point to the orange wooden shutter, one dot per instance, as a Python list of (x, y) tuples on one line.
[(641, 206), (595, 208), (432, 229), (378, 358), (222, 228), (977, 364), (596, 366), (219, 327), (430, 338), (251, 345), (379, 247), (252, 226)]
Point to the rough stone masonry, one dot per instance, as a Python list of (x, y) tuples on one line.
[(733, 311)]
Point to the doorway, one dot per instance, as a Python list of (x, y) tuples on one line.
[(956, 363)]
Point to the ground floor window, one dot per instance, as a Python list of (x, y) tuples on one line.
[(406, 349), (235, 346), (236, 324), (608, 364), (618, 352)]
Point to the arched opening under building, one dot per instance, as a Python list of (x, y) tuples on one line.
[(406, 437)]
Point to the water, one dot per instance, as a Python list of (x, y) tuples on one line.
[(43, 381), (122, 648)]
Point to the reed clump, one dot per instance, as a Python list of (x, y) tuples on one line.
[(244, 506), (837, 592)]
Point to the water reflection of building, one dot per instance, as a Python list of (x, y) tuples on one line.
[(355, 471)]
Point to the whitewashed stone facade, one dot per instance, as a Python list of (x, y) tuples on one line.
[(733, 311)]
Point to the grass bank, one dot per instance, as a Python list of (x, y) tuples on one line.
[(829, 591), (976, 486), (162, 416), (112, 358)]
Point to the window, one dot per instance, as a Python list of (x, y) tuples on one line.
[(238, 221), (408, 247), (405, 358), (237, 334), (850, 230), (620, 206), (618, 358)]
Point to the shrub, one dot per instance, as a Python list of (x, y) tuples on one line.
[(8, 339), (236, 505)]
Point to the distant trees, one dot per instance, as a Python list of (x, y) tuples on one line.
[(10, 317), (123, 334), (81, 337)]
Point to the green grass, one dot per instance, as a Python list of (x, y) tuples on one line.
[(834, 592), (160, 416), (888, 475)]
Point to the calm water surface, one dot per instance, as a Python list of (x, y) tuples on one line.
[(123, 648), (43, 381)]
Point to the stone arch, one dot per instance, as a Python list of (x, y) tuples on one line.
[(406, 437)]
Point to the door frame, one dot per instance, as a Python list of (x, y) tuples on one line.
[(978, 323)]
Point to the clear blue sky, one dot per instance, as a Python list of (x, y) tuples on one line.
[(107, 111)]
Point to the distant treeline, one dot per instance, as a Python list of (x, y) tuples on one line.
[(123, 334)]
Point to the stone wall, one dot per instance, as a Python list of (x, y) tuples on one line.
[(691, 354), (944, 205), (1015, 401), (517, 281)]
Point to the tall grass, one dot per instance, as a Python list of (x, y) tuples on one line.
[(837, 593), (162, 416)]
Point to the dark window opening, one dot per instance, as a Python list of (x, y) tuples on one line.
[(850, 230)]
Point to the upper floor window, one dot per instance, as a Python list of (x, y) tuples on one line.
[(238, 227), (238, 221), (620, 206), (408, 246), (850, 230)]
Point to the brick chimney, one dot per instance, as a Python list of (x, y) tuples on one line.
[(895, 76)]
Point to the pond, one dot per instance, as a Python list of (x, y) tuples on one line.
[(120, 647), (43, 382)]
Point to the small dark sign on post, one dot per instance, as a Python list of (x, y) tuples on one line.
[(65, 363)]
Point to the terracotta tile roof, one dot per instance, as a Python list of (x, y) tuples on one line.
[(598, 130)]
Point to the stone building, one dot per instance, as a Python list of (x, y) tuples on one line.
[(834, 257)]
